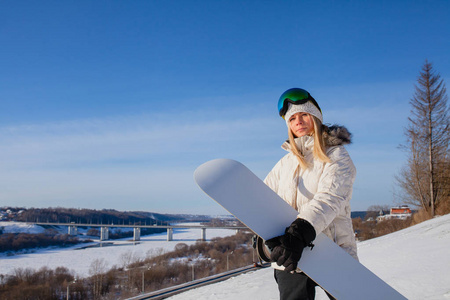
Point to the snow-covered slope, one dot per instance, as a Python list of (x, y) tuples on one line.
[(20, 227), (415, 261)]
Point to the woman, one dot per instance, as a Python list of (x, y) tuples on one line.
[(316, 178)]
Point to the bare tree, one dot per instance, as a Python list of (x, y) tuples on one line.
[(128, 258), (424, 179), (97, 269)]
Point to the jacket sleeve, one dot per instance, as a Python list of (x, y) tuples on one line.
[(334, 190)]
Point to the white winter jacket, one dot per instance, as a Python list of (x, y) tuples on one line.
[(321, 193)]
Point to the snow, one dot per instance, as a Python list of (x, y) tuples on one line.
[(16, 227), (414, 261)]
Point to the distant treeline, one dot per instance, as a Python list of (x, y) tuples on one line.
[(359, 214), (21, 241), (91, 216)]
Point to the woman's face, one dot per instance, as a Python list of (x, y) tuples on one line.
[(301, 124)]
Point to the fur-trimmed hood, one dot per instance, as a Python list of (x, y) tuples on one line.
[(337, 135)]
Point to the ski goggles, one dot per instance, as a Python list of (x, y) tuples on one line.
[(294, 96)]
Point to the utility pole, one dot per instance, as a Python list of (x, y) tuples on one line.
[(228, 265), (68, 285)]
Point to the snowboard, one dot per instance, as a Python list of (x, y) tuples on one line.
[(250, 200)]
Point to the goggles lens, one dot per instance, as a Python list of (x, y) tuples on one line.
[(294, 96)]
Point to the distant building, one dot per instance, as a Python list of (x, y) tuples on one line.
[(404, 209), (400, 212)]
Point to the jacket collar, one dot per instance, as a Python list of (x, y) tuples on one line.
[(304, 143)]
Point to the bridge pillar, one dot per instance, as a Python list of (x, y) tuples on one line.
[(203, 238), (237, 231), (104, 233), (169, 234), (73, 230), (137, 234)]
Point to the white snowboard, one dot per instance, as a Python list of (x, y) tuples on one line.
[(245, 196)]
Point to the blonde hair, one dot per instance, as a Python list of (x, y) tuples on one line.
[(319, 149)]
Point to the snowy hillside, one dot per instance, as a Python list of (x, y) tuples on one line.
[(20, 227), (415, 261)]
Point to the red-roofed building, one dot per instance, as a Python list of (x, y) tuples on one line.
[(400, 212)]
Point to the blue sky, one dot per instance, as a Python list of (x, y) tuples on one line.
[(113, 104)]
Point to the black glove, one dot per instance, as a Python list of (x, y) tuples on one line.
[(287, 249)]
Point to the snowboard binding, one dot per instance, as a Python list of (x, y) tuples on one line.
[(261, 249)]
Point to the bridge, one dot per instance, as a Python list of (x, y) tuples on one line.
[(104, 228)]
